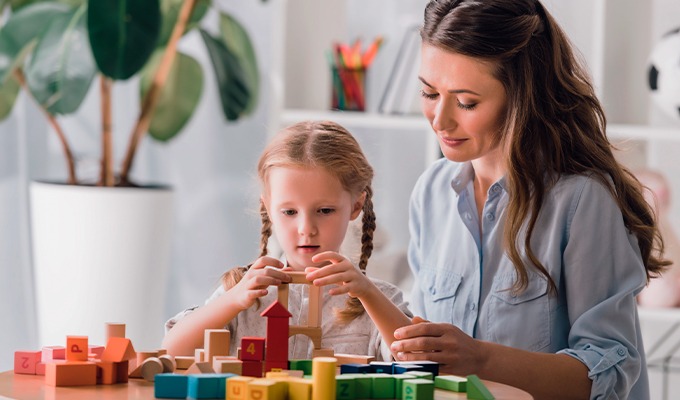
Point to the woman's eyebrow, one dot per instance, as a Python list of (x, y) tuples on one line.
[(455, 91)]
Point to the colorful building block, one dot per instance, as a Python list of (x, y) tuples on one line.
[(71, 373), (451, 383), (252, 368), (26, 362), (171, 386), (476, 389), (184, 362), (107, 372), (216, 343), (50, 353), (383, 386), (237, 387), (252, 348), (403, 368), (208, 386), (418, 389), (301, 365), (299, 389), (228, 365), (118, 350), (267, 389), (323, 376), (381, 367), (277, 334), (345, 388), (76, 348), (355, 369)]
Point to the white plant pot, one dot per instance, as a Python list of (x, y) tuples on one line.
[(100, 255)]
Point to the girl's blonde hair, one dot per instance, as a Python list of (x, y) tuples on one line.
[(327, 145)]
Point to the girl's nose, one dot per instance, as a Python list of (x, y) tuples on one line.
[(307, 226)]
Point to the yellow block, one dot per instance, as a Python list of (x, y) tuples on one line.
[(299, 389), (267, 389), (237, 387), (323, 376)]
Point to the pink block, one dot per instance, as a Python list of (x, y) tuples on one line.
[(96, 350), (40, 369), (25, 362), (50, 353)]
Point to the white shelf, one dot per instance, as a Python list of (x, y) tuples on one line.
[(643, 132)]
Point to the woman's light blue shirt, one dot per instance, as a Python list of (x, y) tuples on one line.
[(463, 275)]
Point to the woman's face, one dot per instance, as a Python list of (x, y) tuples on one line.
[(464, 103)]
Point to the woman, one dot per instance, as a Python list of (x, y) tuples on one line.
[(529, 250)]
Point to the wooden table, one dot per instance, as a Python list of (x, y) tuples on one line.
[(30, 387)]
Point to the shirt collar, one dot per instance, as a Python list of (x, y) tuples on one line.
[(464, 175)]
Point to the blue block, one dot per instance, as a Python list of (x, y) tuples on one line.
[(170, 386), (355, 369), (382, 367), (428, 366), (402, 368), (208, 386)]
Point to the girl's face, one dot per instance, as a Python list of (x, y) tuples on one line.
[(309, 210), (464, 103)]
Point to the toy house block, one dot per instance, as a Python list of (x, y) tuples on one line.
[(299, 389), (363, 385), (476, 389), (216, 343), (267, 389), (322, 353), (429, 366), (383, 386), (355, 369), (170, 386), (50, 353), (95, 351), (200, 368), (76, 348), (252, 348), (277, 332), (199, 355), (323, 376), (353, 359), (207, 386), (252, 368), (118, 350), (228, 365), (382, 367), (71, 373), (107, 373), (169, 364), (26, 362), (418, 389), (114, 329), (451, 383), (237, 387), (301, 365), (345, 388), (150, 368), (404, 368), (122, 369), (184, 362)]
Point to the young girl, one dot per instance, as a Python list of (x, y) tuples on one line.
[(315, 180)]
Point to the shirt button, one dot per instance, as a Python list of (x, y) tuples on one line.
[(496, 188), (473, 306), (489, 216), (621, 352), (468, 216)]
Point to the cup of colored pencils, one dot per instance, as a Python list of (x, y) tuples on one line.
[(348, 71)]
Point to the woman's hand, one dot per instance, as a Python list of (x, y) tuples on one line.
[(341, 272), (456, 352), (264, 272)]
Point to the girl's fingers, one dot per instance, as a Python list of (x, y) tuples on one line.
[(331, 256), (265, 261)]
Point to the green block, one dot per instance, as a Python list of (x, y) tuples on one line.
[(421, 374), (451, 383), (418, 389), (345, 387), (363, 385), (301, 365), (383, 386), (399, 380), (476, 389)]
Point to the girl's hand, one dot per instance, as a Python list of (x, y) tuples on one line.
[(264, 272), (456, 352), (341, 272)]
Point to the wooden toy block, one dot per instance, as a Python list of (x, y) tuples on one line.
[(95, 351), (114, 329), (252, 368), (170, 386), (383, 385), (353, 359), (118, 350), (107, 373), (298, 277), (276, 375), (382, 367), (76, 348), (404, 368), (208, 386), (299, 389), (169, 364), (184, 362), (40, 369), (418, 389), (199, 355), (237, 387), (363, 385), (275, 365), (313, 332), (399, 382), (451, 383), (422, 374), (122, 371), (429, 366), (216, 343), (293, 373), (323, 376), (50, 353), (25, 362), (282, 293), (161, 352), (301, 365), (267, 389), (252, 348), (314, 311), (230, 365), (143, 355), (322, 353), (150, 368), (136, 373), (345, 388), (200, 368), (70, 373), (355, 369), (277, 332), (476, 389)]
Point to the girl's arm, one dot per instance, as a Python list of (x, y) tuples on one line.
[(385, 315), (188, 333)]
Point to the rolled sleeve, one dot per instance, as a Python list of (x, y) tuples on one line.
[(605, 367)]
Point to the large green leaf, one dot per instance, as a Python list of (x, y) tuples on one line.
[(179, 97), (123, 34), (62, 68), (237, 40), (21, 33), (231, 79), (8, 94), (170, 11)]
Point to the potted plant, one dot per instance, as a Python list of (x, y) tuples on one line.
[(101, 252)]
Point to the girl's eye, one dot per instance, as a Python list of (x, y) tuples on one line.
[(467, 107), (326, 211), (288, 212), (428, 96)]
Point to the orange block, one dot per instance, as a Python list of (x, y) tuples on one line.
[(107, 373), (25, 362), (71, 373), (114, 329), (76, 348), (119, 349), (122, 374)]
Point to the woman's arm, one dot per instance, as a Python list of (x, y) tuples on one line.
[(188, 333)]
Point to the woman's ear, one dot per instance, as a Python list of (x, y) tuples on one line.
[(358, 206)]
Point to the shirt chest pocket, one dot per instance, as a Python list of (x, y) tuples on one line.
[(520, 320), (439, 290)]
